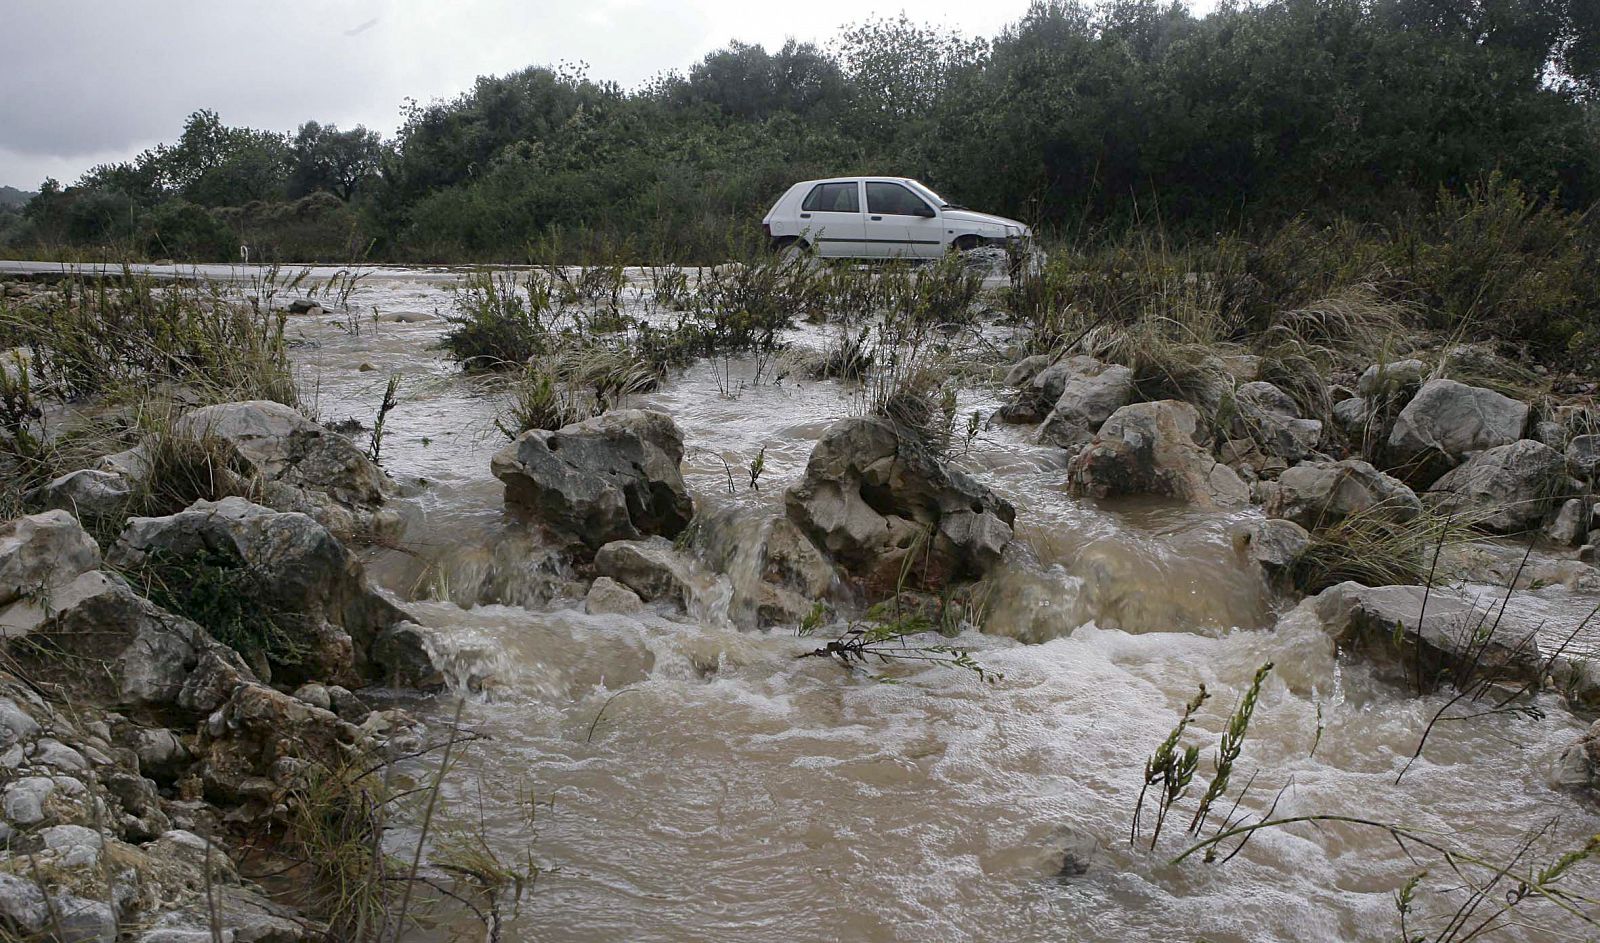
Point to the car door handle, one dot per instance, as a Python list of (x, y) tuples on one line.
[(877, 219), (805, 215)]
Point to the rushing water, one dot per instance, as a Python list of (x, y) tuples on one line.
[(684, 780)]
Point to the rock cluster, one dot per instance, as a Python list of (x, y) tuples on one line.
[(170, 728)]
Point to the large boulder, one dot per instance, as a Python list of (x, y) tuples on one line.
[(1508, 489), (277, 585), (1319, 494), (613, 477), (877, 499), (1424, 637), (1153, 448), (1445, 421), (300, 465), (1091, 392), (40, 552), (103, 645), (1271, 418)]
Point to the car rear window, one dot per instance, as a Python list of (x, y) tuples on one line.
[(891, 199), (833, 198)]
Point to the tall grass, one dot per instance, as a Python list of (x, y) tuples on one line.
[(128, 337)]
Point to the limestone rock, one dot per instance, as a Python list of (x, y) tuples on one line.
[(1578, 766), (1023, 371), (109, 647), (88, 492), (614, 477), (1445, 421), (1351, 415), (1509, 488), (314, 592), (1276, 546), (873, 494), (1583, 457), (1271, 418), (1318, 494), (42, 552), (1151, 448), (300, 465), (1391, 379), (606, 596), (1451, 637), (1091, 392), (1571, 523), (654, 569)]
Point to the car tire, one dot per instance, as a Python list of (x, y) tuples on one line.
[(966, 243), (792, 250)]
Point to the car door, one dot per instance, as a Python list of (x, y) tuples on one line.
[(899, 223), (831, 219)]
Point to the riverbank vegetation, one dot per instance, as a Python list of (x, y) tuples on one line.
[(1088, 121)]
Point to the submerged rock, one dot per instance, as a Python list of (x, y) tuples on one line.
[(654, 569), (310, 593), (606, 596), (1151, 448), (881, 503), (1508, 489), (1449, 636), (41, 552), (777, 575), (1319, 494), (1445, 421), (614, 477)]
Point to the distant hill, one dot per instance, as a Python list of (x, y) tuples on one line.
[(11, 196)]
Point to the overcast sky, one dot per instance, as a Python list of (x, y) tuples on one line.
[(84, 82)]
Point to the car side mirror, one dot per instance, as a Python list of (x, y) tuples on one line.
[(926, 211)]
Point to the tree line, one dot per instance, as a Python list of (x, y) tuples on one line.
[(1081, 119)]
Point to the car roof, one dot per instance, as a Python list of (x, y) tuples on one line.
[(804, 183)]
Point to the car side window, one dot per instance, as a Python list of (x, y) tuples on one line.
[(891, 199), (833, 198)]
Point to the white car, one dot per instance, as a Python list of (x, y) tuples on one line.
[(879, 218)]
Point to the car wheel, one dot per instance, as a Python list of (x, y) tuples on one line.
[(966, 243), (793, 250)]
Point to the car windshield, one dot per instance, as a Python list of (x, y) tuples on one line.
[(938, 200)]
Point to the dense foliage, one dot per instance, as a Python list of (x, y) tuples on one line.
[(1079, 118)]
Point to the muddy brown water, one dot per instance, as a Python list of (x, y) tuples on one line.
[(731, 791)]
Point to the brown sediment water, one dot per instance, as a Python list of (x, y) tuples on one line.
[(734, 792)]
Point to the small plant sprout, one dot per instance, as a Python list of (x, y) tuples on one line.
[(1169, 770), (757, 465), (1228, 751), (375, 449)]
